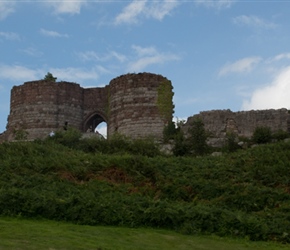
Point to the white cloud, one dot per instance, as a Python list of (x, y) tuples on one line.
[(32, 52), (140, 58), (273, 96), (130, 12), (66, 6), (243, 65), (254, 21), (118, 56), (148, 56), (75, 74), (23, 74), (19, 73), (93, 56), (144, 51), (51, 33), (148, 9), (89, 56), (217, 4), (142, 63), (281, 57), (6, 8), (9, 36), (179, 120), (159, 10)]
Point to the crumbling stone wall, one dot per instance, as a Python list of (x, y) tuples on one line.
[(129, 105), (242, 123)]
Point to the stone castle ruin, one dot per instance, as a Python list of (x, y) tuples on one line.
[(243, 123), (135, 105)]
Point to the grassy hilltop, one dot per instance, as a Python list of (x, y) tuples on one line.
[(241, 194)]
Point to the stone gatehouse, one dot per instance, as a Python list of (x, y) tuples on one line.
[(136, 105)]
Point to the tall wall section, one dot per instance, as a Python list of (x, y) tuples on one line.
[(140, 105), (95, 106), (243, 123)]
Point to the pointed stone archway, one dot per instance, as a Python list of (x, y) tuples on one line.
[(92, 121)]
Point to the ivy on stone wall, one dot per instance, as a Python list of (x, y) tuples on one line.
[(20, 134), (164, 100)]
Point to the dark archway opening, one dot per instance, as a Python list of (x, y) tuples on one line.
[(96, 124)]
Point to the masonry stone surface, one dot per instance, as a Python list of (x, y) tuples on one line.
[(243, 123), (128, 104)]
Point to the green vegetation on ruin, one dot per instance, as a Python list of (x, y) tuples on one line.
[(164, 100)]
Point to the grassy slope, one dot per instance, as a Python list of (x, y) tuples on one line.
[(244, 194), (32, 234)]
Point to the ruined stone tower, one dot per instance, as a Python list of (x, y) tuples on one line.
[(135, 105), (139, 105)]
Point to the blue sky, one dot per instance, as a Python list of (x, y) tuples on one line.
[(218, 54)]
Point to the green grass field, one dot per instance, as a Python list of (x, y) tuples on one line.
[(44, 234)]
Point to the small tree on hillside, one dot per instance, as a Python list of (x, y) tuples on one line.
[(169, 131), (262, 135), (197, 137), (231, 144), (180, 144), (50, 77)]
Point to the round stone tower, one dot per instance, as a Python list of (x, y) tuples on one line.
[(140, 105), (39, 107)]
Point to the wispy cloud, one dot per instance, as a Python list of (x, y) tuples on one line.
[(240, 66), (66, 6), (281, 57), (144, 51), (158, 10), (9, 36), (75, 74), (253, 21), (137, 60), (217, 4), (93, 56), (51, 33), (19, 73), (32, 52), (6, 8), (146, 9), (131, 12), (22, 74), (148, 56), (273, 95)]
